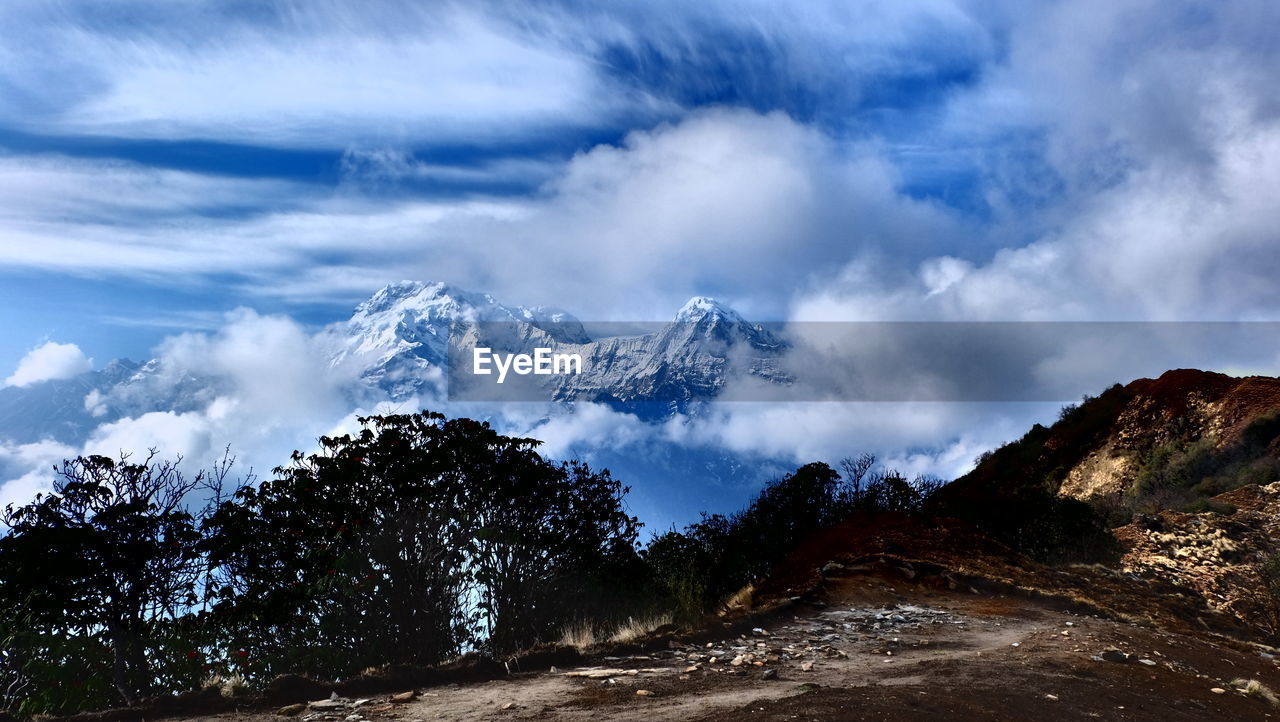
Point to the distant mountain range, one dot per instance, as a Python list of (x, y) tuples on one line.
[(398, 343)]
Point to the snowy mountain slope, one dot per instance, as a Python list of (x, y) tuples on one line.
[(689, 359), (399, 337), (68, 410)]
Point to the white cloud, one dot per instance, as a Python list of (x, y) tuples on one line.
[(330, 73), (49, 362), (726, 202), (934, 437), (1144, 142), (723, 201), (1147, 150), (1121, 184), (266, 388), (730, 203), (587, 427), (172, 435), (43, 187)]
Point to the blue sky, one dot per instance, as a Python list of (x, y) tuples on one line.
[(259, 110), (165, 163)]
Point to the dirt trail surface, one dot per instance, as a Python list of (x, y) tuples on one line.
[(869, 649)]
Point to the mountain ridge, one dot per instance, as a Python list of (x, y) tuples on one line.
[(397, 343)]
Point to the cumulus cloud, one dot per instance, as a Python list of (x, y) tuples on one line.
[(261, 385), (1140, 185), (94, 403), (50, 361), (580, 431), (171, 434), (937, 436), (721, 202)]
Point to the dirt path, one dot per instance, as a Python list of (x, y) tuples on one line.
[(871, 653)]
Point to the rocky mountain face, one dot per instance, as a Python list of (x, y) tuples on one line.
[(399, 338), (408, 334), (1213, 414), (67, 410), (692, 358), (1228, 557)]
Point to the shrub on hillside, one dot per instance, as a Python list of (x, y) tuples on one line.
[(698, 568)]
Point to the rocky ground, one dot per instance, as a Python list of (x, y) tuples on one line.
[(1223, 557), (871, 647)]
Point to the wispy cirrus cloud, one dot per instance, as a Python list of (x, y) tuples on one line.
[(290, 74), (329, 74)]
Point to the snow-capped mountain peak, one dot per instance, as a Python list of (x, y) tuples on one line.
[(701, 307), (437, 301), (400, 336)]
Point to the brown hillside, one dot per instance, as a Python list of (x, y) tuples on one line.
[(1184, 466), (1100, 447)]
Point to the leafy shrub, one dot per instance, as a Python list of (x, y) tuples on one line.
[(1270, 571), (1184, 474), (1174, 468), (1209, 505), (412, 541)]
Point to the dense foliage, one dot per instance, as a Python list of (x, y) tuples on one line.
[(1184, 474), (410, 542), (94, 578), (697, 568), (1012, 493)]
